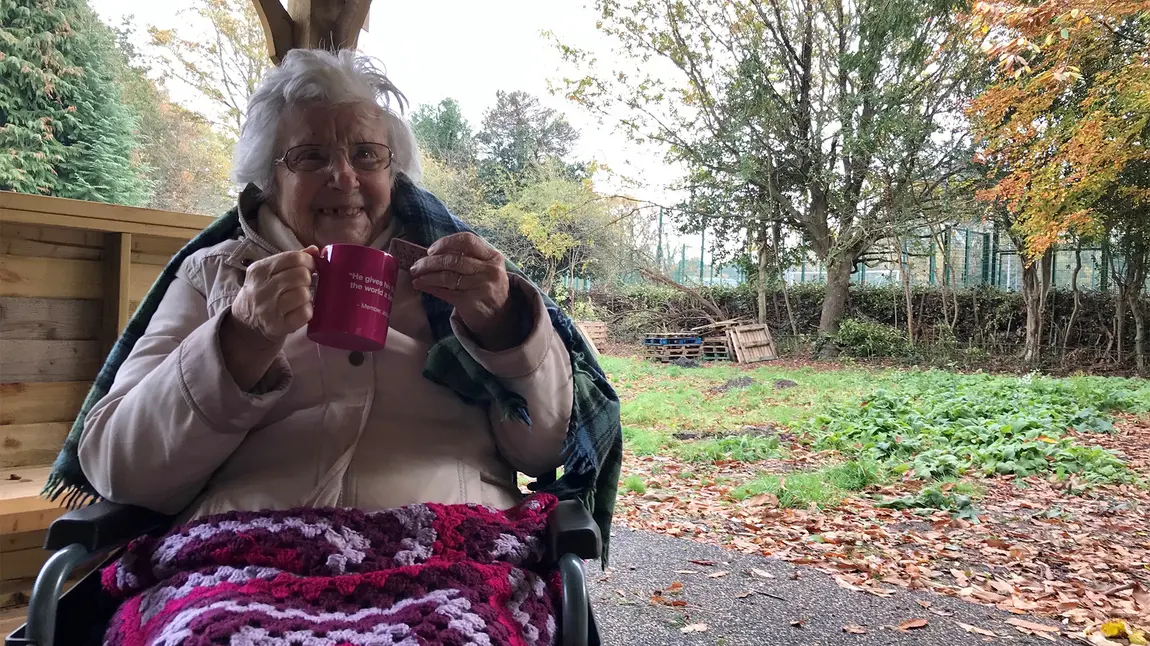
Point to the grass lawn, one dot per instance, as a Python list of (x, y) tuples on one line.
[(881, 422), (666, 398)]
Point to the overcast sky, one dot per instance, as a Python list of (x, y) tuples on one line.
[(467, 50)]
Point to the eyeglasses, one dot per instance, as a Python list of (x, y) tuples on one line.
[(311, 158)]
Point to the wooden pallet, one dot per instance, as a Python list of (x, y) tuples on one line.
[(672, 338), (716, 348), (673, 352), (752, 343), (595, 331)]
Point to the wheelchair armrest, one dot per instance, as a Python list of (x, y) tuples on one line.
[(571, 530), (102, 526)]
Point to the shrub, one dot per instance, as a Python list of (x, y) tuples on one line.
[(865, 339)]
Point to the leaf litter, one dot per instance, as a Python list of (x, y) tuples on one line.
[(1039, 546)]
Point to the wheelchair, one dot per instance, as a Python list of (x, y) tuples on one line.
[(99, 531)]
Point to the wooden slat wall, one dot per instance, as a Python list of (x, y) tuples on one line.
[(53, 337), (50, 315), (71, 274)]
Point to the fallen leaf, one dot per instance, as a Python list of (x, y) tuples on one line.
[(686, 572), (716, 575), (1113, 628), (798, 623), (1142, 597), (1098, 639), (1030, 625), (854, 629), (675, 587), (1033, 629), (1074, 561), (976, 630), (761, 573), (621, 593), (764, 499), (924, 603), (742, 595), (706, 563), (913, 624), (661, 600), (693, 628), (1002, 586), (960, 577)]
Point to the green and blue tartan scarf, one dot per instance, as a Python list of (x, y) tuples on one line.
[(594, 445)]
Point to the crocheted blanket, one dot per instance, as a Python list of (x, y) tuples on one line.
[(421, 574)]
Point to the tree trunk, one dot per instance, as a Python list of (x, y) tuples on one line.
[(1120, 329), (1030, 296), (944, 285), (835, 301), (1139, 331), (1132, 286), (1077, 297), (904, 270), (776, 234), (1035, 286), (549, 280), (1119, 316), (571, 282), (764, 264)]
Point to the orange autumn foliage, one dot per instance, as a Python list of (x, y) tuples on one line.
[(1069, 112)]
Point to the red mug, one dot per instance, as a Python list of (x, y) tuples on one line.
[(353, 294)]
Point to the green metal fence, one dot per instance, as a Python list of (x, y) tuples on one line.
[(969, 257)]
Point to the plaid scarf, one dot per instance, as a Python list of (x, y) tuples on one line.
[(594, 444)]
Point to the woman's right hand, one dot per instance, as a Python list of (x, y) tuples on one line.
[(275, 299)]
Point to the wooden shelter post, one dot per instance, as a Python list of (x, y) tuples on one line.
[(327, 24)]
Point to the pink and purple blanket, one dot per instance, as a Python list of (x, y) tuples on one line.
[(421, 574)]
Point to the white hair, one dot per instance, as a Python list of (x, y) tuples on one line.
[(317, 75)]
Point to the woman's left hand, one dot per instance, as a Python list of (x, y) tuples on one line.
[(466, 272)]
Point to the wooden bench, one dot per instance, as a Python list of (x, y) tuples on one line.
[(24, 520)]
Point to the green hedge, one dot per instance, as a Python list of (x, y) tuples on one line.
[(989, 319)]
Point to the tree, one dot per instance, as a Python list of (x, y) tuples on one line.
[(538, 209), (1069, 113), (519, 135), (185, 159), (835, 113), (1126, 219), (227, 67), (444, 133), (64, 130), (456, 186), (1058, 129)]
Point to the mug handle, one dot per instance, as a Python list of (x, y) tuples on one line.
[(321, 263)]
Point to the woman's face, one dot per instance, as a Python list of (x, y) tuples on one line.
[(338, 204)]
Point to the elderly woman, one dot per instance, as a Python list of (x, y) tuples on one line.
[(224, 404), (322, 492)]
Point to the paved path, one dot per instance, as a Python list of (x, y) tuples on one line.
[(642, 562)]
